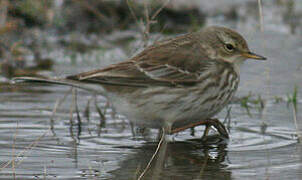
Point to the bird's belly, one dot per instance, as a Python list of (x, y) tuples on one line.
[(177, 106), (155, 107)]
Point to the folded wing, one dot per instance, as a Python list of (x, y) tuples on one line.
[(168, 63)]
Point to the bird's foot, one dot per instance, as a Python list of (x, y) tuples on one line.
[(209, 122), (218, 125)]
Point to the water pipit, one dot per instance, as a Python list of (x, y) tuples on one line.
[(174, 84)]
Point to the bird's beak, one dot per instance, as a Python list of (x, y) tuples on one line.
[(253, 56)]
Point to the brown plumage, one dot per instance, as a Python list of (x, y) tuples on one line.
[(176, 83)]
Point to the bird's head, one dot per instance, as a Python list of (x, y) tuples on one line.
[(228, 45)]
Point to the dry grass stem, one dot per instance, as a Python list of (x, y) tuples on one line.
[(148, 24), (45, 172), (228, 118), (54, 111), (33, 144), (159, 10), (13, 151), (72, 108), (154, 155), (92, 9), (87, 110), (260, 14), (26, 150), (134, 16), (145, 27), (52, 117), (64, 97), (101, 114), (58, 104), (77, 112)]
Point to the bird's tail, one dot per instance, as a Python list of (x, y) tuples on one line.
[(59, 81)]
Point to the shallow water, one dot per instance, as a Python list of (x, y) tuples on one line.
[(263, 141), (255, 150)]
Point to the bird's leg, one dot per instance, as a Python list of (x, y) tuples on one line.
[(176, 130), (206, 131), (208, 122), (168, 128)]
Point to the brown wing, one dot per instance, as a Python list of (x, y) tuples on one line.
[(174, 62)]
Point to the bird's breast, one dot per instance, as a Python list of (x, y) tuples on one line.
[(207, 98)]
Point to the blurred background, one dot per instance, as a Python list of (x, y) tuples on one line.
[(31, 32), (52, 132)]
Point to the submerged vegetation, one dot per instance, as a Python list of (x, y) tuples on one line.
[(293, 98), (250, 101)]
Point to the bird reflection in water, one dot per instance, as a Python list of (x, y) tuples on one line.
[(191, 159)]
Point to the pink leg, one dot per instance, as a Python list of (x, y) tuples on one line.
[(209, 122)]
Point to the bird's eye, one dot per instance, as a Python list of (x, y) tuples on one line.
[(229, 47)]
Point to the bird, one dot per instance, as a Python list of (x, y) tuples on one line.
[(174, 84)]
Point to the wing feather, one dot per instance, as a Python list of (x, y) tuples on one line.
[(164, 64)]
